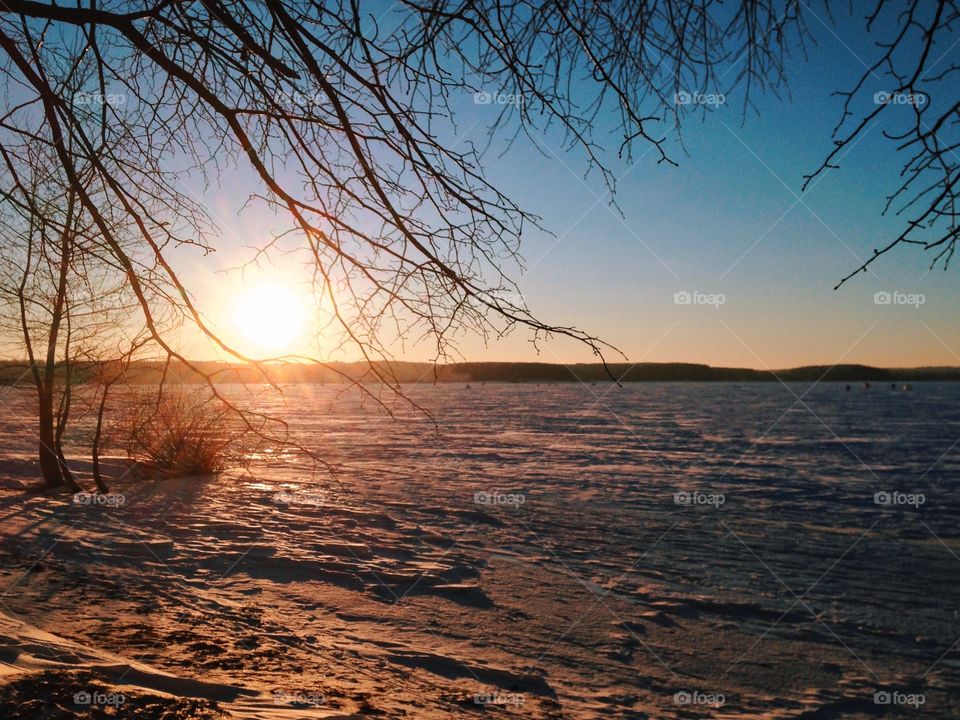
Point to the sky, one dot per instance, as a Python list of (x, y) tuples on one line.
[(730, 229)]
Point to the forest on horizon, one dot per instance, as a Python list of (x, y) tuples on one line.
[(147, 372)]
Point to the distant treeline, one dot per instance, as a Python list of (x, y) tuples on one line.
[(408, 372)]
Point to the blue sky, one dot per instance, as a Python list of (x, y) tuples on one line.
[(730, 221)]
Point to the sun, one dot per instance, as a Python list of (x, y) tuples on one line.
[(270, 316)]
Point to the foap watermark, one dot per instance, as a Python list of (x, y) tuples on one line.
[(512, 299), (900, 98), (300, 497), (498, 98), (685, 97), (687, 297), (883, 297), (297, 98), (894, 498), (495, 497), (687, 498), (499, 698), (100, 699), (99, 99), (695, 697), (106, 499), (299, 699), (895, 697)]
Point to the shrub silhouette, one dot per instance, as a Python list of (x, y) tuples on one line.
[(177, 434)]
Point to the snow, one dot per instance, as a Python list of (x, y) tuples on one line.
[(412, 586)]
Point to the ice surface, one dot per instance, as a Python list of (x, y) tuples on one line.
[(529, 558)]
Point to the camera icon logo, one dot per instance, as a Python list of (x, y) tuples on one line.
[(482, 98), (82, 698), (682, 298)]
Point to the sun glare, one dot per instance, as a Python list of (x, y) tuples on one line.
[(270, 316)]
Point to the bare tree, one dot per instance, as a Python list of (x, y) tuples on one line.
[(65, 305), (109, 373), (913, 80), (345, 119), (38, 287), (335, 112)]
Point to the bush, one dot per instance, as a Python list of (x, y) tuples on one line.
[(178, 434)]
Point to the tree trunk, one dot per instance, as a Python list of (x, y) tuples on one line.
[(49, 460), (98, 435), (52, 464), (63, 415), (68, 477)]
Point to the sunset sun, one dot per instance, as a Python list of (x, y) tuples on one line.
[(270, 316)]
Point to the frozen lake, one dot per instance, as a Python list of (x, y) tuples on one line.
[(652, 550)]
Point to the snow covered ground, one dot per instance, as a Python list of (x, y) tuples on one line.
[(579, 551)]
